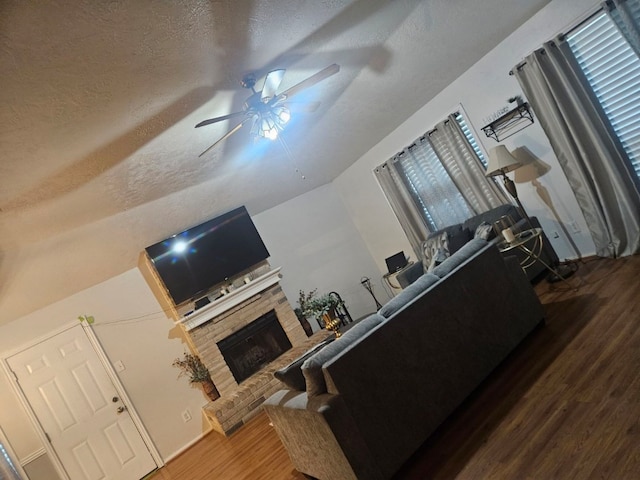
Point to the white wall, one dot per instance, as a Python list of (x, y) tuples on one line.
[(482, 90), (317, 245)]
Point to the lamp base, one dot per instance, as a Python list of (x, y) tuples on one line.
[(562, 272)]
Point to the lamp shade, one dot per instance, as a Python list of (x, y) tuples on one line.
[(532, 166), (501, 161)]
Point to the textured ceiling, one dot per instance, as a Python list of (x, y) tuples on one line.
[(100, 98)]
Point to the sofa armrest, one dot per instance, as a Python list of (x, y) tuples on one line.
[(410, 274), (320, 436)]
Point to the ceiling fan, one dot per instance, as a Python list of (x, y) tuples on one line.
[(268, 111)]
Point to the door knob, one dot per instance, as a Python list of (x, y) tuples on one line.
[(121, 409), (115, 399)]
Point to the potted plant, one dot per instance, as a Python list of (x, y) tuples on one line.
[(320, 307), (191, 366)]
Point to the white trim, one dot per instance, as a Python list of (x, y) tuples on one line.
[(230, 300), (42, 338), (155, 455), (184, 448), (33, 456), (14, 459), (122, 393)]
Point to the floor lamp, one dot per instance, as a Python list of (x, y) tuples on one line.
[(502, 162)]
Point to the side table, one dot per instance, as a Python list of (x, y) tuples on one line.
[(532, 254)]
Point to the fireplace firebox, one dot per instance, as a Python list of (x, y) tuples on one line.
[(252, 347)]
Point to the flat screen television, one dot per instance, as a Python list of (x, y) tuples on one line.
[(191, 262)]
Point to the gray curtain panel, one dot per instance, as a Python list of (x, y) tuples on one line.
[(402, 205), (464, 167), (626, 15), (586, 146)]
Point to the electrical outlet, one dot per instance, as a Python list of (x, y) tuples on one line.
[(119, 366), (574, 227), (186, 416)]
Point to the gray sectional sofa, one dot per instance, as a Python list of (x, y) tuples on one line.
[(461, 233), (362, 405)]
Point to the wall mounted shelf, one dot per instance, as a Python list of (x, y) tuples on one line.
[(510, 123)]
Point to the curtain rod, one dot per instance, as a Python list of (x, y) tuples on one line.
[(423, 137), (562, 35)]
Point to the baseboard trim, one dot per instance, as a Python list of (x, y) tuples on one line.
[(187, 446), (32, 456)]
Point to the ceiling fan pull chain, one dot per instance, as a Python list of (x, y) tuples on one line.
[(288, 152)]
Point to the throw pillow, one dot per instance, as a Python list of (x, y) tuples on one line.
[(435, 250), (484, 231)]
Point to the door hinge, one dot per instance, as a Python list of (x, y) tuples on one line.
[(48, 437)]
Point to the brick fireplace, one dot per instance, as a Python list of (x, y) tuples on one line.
[(220, 320)]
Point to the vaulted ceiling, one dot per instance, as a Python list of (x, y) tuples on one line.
[(100, 99)]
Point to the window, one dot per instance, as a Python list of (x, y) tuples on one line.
[(613, 70), (431, 187), (437, 169), (472, 140)]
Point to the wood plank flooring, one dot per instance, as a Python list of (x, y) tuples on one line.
[(564, 405)]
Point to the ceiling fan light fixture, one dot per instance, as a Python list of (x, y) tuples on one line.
[(283, 114), (265, 109), (268, 128)]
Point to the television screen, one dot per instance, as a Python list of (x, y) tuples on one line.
[(192, 262)]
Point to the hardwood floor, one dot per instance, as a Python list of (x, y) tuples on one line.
[(565, 404)]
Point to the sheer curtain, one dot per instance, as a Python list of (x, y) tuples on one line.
[(626, 15), (586, 146)]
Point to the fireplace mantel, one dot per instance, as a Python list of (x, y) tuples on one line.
[(231, 299)]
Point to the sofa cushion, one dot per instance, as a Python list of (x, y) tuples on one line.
[(312, 366), (461, 256), (410, 274), (291, 375), (408, 294)]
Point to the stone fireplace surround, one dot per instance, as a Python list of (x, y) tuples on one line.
[(224, 316)]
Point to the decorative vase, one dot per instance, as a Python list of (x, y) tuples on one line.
[(210, 390), (332, 323)]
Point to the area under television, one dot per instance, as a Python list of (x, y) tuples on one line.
[(192, 262)]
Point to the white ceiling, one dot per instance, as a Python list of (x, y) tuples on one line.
[(100, 98)]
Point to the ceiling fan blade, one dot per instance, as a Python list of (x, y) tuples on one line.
[(219, 119), (227, 135), (271, 83), (312, 80)]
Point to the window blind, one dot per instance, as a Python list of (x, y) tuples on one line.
[(472, 140), (613, 70)]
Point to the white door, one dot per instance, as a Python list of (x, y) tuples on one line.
[(78, 407)]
